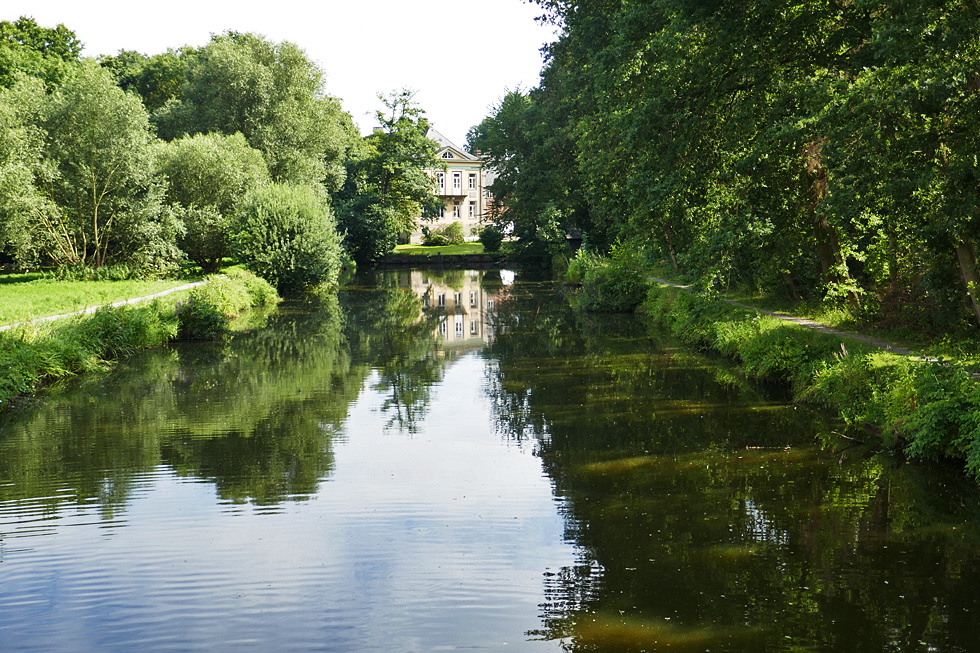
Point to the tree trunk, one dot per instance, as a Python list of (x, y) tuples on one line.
[(968, 268), (828, 246), (793, 292)]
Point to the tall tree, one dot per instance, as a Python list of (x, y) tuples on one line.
[(156, 79), (272, 94), (24, 171), (209, 176), (45, 52), (108, 197), (388, 185)]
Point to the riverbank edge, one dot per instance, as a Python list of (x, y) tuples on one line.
[(467, 261), (37, 353), (929, 410)]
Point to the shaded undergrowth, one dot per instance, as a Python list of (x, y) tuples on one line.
[(928, 409)]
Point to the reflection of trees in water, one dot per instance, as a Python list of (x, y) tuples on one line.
[(255, 415), (388, 330), (708, 517)]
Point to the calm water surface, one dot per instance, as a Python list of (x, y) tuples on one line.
[(441, 461)]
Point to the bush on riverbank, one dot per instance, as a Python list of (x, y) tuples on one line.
[(33, 354), (287, 235), (929, 410), (207, 313), (614, 284)]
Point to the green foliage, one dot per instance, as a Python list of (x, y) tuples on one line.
[(492, 236), (820, 152), (200, 320), (370, 228), (211, 170), (273, 95), (387, 185), (435, 239), (929, 409), (47, 53), (615, 284), (33, 355), (156, 79), (209, 175), (234, 291), (36, 353), (24, 170), (286, 234), (105, 273), (106, 200), (529, 142), (450, 234)]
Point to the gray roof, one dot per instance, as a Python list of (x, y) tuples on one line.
[(445, 142)]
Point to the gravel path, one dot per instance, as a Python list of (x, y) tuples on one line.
[(809, 324)]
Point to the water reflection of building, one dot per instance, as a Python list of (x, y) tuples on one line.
[(458, 297)]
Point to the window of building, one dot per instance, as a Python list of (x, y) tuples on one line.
[(447, 155), (440, 180), (457, 180), (472, 180), (474, 328), (459, 328), (457, 299), (489, 304), (472, 209), (441, 300), (443, 327), (442, 211), (488, 194), (425, 301), (472, 299), (455, 210)]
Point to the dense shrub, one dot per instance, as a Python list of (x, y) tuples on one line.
[(207, 313), (492, 237), (434, 240), (615, 284), (206, 239), (105, 273), (450, 234), (286, 234), (199, 319)]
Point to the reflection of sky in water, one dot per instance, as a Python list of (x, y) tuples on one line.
[(438, 539)]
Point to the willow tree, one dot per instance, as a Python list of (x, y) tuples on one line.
[(107, 195), (272, 94), (209, 177)]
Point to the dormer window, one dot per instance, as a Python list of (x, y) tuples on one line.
[(447, 155)]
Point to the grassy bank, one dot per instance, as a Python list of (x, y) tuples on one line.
[(34, 354), (929, 410), (447, 250), (25, 297)]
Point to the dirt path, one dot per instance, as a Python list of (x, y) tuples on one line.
[(92, 309), (809, 324)]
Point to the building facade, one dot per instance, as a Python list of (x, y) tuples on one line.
[(462, 188)]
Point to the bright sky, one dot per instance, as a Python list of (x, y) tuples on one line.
[(460, 56)]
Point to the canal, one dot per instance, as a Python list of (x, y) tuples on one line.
[(455, 460)]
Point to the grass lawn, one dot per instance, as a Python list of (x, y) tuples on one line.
[(419, 250), (25, 297)]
